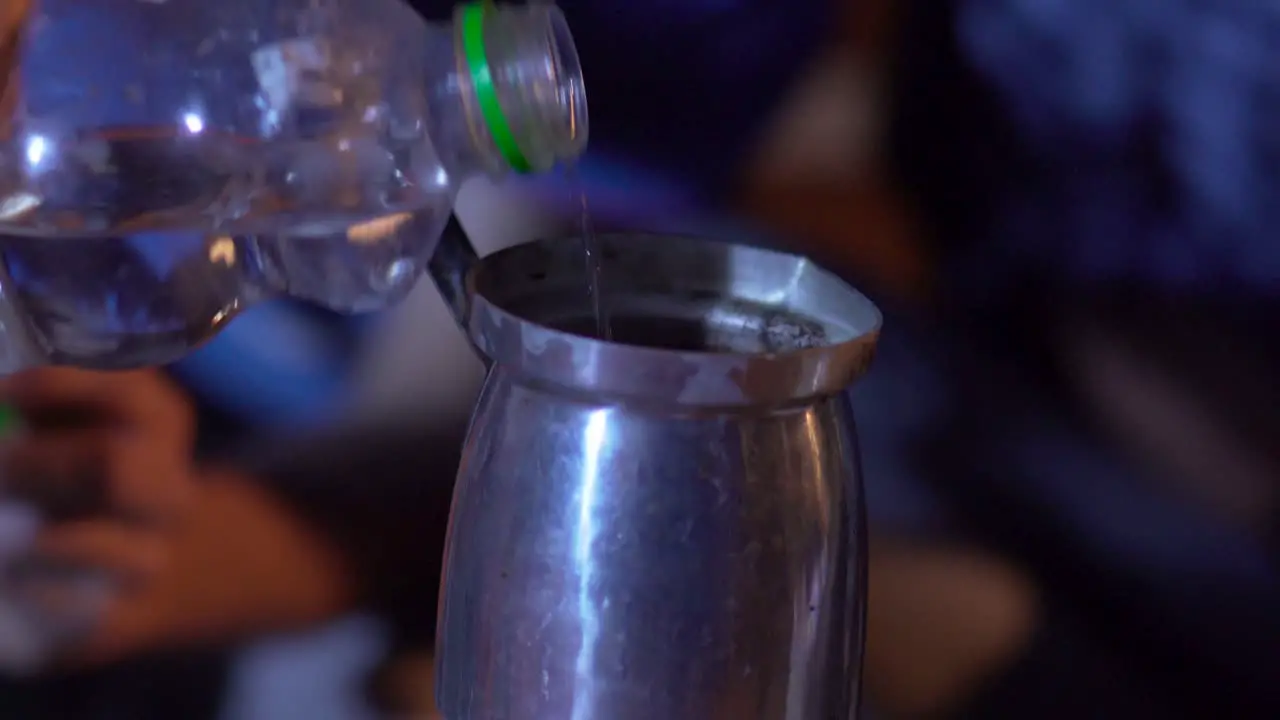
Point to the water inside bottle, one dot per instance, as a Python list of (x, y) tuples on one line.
[(123, 180), (127, 179), (144, 298), (593, 257)]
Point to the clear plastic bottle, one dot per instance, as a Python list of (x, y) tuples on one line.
[(166, 163)]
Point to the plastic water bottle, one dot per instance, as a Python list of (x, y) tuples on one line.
[(166, 164)]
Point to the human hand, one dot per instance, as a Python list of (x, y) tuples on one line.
[(201, 555), (106, 459)]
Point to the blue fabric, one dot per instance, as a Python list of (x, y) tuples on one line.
[(1119, 140), (277, 364), (1064, 148)]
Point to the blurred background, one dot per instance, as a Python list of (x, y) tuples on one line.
[(1065, 210)]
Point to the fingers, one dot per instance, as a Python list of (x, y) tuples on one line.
[(134, 618), (105, 459), (11, 14), (121, 562), (143, 400), (78, 474), (123, 630), (125, 552)]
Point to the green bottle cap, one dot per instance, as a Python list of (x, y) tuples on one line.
[(473, 27)]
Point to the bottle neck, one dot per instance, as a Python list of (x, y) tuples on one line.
[(516, 89)]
